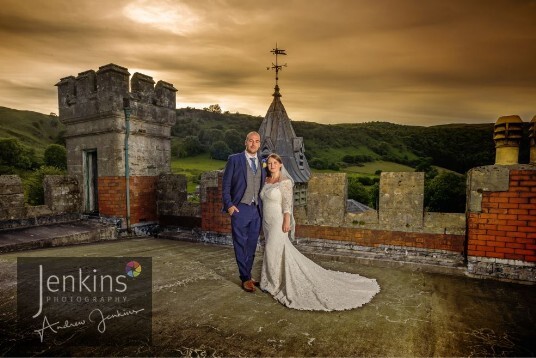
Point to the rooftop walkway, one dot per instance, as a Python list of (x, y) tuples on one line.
[(200, 310)]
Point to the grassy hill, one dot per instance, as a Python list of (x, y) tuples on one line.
[(34, 130), (456, 147), (379, 145)]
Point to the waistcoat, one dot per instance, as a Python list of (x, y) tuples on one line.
[(253, 186)]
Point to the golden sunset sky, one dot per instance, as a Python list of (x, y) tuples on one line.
[(411, 62)]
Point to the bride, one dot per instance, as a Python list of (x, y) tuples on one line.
[(289, 276)]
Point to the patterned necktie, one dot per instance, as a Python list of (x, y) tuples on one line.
[(253, 165)]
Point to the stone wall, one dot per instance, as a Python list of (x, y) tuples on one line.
[(62, 194), (401, 201), (326, 200), (172, 203), (433, 223), (437, 239), (62, 202), (438, 249), (501, 212), (11, 198), (401, 197)]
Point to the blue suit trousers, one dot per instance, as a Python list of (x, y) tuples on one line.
[(246, 227)]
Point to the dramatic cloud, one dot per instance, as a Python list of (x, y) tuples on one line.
[(414, 62)]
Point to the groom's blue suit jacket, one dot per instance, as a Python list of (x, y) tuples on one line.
[(235, 180)]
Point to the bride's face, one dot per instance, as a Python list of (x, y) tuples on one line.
[(273, 166)]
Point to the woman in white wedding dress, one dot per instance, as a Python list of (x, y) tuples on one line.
[(289, 276)]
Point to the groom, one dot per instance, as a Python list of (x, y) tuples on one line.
[(243, 179)]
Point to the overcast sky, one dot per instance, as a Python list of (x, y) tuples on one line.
[(410, 62)]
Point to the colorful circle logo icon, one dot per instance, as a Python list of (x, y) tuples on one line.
[(133, 269)]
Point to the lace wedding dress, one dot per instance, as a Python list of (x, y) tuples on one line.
[(293, 279)]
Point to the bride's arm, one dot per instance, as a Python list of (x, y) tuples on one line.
[(286, 203)]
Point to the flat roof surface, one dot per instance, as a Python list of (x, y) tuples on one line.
[(199, 309)]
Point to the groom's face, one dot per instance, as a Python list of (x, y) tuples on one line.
[(253, 143)]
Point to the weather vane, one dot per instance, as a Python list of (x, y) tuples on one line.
[(277, 51)]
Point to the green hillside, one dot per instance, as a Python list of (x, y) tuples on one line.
[(34, 130), (456, 147), (359, 147)]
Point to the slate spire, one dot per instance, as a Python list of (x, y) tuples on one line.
[(278, 136)]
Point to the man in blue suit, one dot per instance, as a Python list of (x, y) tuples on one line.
[(243, 179)]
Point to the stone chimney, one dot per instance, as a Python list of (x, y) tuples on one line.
[(507, 136)]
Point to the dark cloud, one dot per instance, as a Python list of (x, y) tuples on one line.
[(417, 62)]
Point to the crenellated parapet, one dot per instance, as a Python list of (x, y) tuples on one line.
[(101, 93)]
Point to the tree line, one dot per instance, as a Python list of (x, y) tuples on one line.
[(457, 147)]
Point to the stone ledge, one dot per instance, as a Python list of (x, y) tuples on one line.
[(503, 270), (33, 221), (411, 255), (78, 232)]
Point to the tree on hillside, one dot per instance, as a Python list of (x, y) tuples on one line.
[(185, 126), (220, 151), (234, 140), (177, 149), (60, 138), (14, 154), (445, 193), (56, 156), (210, 136), (425, 166), (214, 108), (192, 146)]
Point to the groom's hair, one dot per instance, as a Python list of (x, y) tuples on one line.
[(252, 133)]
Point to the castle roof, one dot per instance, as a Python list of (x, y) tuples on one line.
[(278, 136)]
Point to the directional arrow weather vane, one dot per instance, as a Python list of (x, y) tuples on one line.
[(277, 51)]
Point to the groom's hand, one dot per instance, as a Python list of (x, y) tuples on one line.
[(232, 209)]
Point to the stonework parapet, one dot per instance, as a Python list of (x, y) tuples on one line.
[(92, 93), (326, 199), (62, 193), (401, 202), (62, 202)]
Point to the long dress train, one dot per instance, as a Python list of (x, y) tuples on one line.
[(293, 279)]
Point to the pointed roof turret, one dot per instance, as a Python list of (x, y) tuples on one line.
[(278, 136)]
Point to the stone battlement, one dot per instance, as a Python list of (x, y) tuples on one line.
[(93, 94)]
